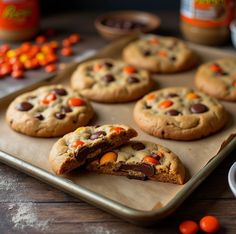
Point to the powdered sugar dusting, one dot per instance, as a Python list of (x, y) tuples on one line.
[(25, 216)]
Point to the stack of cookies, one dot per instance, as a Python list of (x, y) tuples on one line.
[(177, 113)]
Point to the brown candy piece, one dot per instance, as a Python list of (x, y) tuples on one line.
[(108, 64), (24, 106), (172, 95), (66, 109), (133, 79), (146, 169), (39, 116), (198, 108), (60, 115), (138, 145), (172, 112), (97, 135), (147, 53), (61, 92), (108, 78)]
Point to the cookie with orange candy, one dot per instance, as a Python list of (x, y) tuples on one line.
[(85, 144), (160, 54), (141, 160), (218, 79), (48, 111), (110, 81), (179, 113)]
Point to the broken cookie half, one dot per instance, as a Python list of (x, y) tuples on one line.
[(141, 160), (85, 144)]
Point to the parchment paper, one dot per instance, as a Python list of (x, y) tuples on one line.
[(132, 193)]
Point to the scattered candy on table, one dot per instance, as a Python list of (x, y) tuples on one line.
[(43, 53)]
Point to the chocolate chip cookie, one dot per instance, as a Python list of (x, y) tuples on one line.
[(141, 160), (218, 79), (48, 111), (86, 143), (160, 54), (179, 113), (110, 81)]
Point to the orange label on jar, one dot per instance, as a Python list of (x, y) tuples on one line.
[(19, 14), (207, 13)]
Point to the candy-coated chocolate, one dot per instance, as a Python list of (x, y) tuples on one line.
[(76, 102), (108, 157)]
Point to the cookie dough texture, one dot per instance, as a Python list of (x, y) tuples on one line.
[(218, 79), (46, 112), (110, 81), (179, 113), (160, 54), (132, 161), (86, 143)]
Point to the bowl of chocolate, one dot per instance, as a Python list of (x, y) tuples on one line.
[(114, 25)]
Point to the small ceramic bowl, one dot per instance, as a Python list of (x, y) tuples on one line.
[(233, 32), (232, 178), (114, 25)]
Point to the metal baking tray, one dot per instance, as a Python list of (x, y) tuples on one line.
[(136, 216)]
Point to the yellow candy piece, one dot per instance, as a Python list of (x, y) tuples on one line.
[(24, 58), (11, 53), (192, 96), (108, 157), (80, 129), (40, 56)]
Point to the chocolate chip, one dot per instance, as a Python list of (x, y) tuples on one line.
[(172, 95), (144, 177), (198, 108), (108, 64), (66, 109), (223, 73), (172, 112), (61, 92), (97, 135), (24, 106), (133, 79), (156, 156), (39, 116), (108, 78), (146, 169), (172, 58), (138, 145), (59, 115), (147, 53), (147, 106)]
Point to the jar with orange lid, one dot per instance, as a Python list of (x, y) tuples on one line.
[(206, 21), (19, 19)]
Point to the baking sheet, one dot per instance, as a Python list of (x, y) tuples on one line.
[(144, 196)]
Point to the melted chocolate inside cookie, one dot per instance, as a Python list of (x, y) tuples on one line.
[(146, 169), (138, 146)]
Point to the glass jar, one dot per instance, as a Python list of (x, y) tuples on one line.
[(19, 19), (206, 21)]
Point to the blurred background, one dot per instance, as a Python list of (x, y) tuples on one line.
[(53, 6)]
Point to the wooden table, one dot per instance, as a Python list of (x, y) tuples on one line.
[(28, 205)]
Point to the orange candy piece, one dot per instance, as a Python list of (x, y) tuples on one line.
[(151, 160), (49, 98), (17, 74), (66, 51), (192, 96), (74, 101), (215, 68), (97, 67), (163, 53), (165, 104), (66, 42), (5, 69), (40, 39), (108, 157), (17, 66), (117, 129), (74, 38), (129, 69), (151, 96), (188, 227), (50, 68), (77, 143), (209, 224), (234, 83)]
